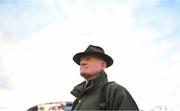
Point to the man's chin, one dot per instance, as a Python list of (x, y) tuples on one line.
[(86, 76)]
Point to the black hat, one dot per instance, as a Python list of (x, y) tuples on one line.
[(93, 50)]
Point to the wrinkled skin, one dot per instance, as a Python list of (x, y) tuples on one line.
[(91, 65)]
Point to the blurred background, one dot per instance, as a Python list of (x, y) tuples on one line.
[(38, 39)]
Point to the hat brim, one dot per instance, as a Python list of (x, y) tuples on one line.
[(105, 57)]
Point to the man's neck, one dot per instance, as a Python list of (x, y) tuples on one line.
[(88, 79)]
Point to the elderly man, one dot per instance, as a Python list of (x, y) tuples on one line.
[(90, 93)]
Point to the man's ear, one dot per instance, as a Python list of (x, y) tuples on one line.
[(104, 64)]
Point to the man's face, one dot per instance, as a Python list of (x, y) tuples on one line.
[(90, 65)]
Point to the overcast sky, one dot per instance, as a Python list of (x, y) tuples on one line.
[(38, 39)]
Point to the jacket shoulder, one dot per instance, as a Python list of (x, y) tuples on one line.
[(119, 98), (115, 87)]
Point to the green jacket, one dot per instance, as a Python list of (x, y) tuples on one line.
[(88, 96)]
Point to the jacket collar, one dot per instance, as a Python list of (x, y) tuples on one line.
[(99, 80)]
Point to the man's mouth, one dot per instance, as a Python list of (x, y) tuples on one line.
[(82, 68)]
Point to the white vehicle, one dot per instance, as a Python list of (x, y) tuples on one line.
[(52, 106)]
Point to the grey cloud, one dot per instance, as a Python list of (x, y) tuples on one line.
[(4, 83), (20, 19), (161, 17)]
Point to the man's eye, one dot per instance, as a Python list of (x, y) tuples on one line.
[(88, 58)]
